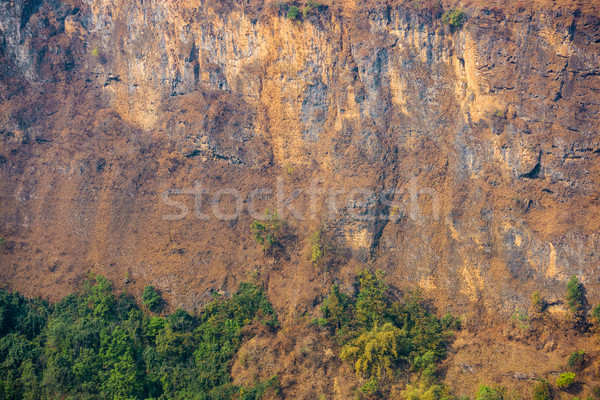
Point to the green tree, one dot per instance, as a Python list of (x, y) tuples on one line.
[(377, 351), (542, 390), (100, 298), (371, 303), (577, 300), (151, 298), (337, 308)]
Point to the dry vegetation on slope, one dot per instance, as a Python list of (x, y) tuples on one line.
[(105, 106)]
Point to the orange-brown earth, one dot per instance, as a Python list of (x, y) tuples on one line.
[(484, 140)]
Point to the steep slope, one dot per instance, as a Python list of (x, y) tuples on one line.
[(464, 161)]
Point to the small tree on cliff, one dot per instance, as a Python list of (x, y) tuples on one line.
[(268, 232), (577, 302)]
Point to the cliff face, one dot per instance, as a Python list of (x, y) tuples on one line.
[(464, 162)]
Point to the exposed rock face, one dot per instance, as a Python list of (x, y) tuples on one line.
[(463, 162)]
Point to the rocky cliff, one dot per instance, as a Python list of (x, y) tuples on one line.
[(140, 139)]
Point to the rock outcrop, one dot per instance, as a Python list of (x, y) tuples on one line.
[(136, 136)]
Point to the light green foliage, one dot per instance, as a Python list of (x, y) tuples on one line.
[(490, 393), (293, 13), (376, 351), (2, 241), (522, 320), (538, 304), (454, 18), (565, 380), (542, 390), (576, 360), (95, 52), (93, 345), (371, 302), (422, 391), (151, 298), (317, 250), (268, 232)]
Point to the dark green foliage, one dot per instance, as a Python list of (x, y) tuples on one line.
[(260, 389), (379, 336), (454, 18), (596, 315), (93, 345), (268, 231), (576, 360), (293, 12), (577, 300), (151, 298), (337, 309), (542, 390)]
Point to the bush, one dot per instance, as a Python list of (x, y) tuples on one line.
[(565, 380), (151, 298), (424, 392), (268, 232), (489, 393), (596, 315), (542, 390), (521, 319), (577, 360), (454, 18), (538, 304), (293, 12)]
